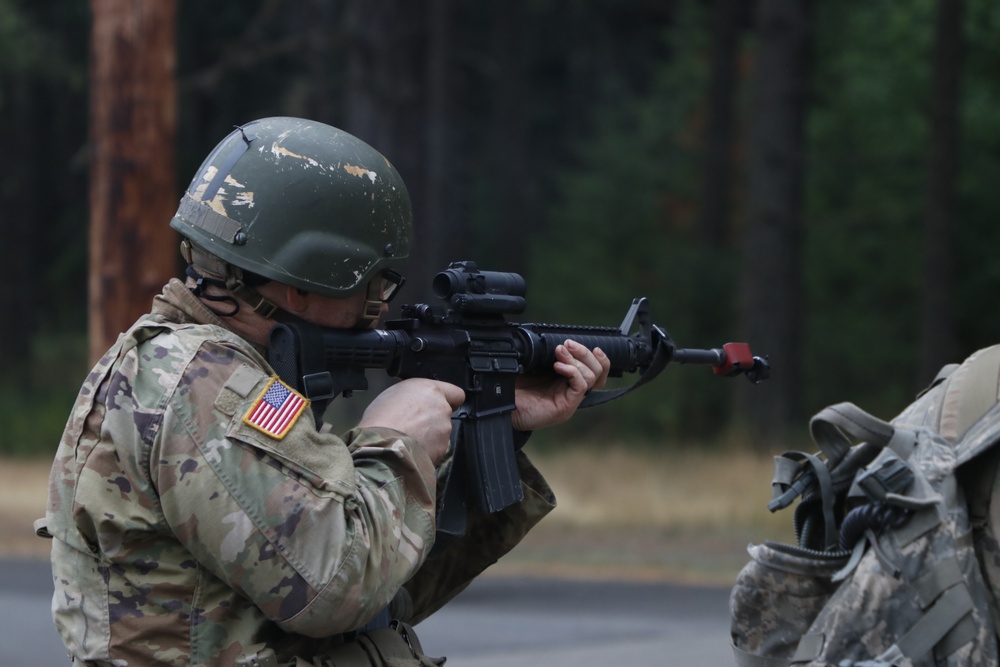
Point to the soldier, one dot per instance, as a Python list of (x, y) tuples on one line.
[(198, 517)]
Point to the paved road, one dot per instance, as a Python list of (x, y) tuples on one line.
[(497, 621), (560, 623)]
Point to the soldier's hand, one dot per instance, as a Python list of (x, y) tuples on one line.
[(419, 408), (545, 401)]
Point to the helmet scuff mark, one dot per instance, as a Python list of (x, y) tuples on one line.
[(206, 178), (360, 172), (244, 199), (280, 151)]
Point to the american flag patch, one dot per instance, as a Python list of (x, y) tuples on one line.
[(277, 409)]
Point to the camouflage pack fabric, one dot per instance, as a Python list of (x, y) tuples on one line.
[(884, 572), (962, 405)]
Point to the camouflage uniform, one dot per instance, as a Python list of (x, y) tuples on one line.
[(184, 534)]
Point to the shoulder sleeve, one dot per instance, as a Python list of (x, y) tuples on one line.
[(488, 537), (281, 512)]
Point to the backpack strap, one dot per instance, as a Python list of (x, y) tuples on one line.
[(978, 475), (831, 426), (796, 472), (799, 474), (948, 619)]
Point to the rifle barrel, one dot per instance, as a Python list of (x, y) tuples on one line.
[(713, 357)]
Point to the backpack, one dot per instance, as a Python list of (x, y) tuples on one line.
[(886, 569)]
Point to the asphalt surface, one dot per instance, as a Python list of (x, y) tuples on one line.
[(564, 623), (553, 622)]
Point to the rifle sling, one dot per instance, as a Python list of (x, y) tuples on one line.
[(600, 396)]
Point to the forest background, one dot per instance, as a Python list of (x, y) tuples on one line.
[(816, 177)]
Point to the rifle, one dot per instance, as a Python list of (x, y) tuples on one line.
[(471, 344)]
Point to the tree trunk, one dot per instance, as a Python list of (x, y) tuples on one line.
[(383, 107), (508, 162), (771, 246), (720, 129), (22, 234), (937, 312), (133, 189), (443, 234)]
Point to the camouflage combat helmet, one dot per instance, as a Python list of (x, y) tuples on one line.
[(298, 202)]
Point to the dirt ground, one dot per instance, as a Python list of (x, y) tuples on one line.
[(663, 524), (22, 500)]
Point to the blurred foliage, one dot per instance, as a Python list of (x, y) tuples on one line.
[(979, 237), (601, 203), (868, 130), (35, 407), (621, 228), (867, 140)]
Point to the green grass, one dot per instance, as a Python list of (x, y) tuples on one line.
[(37, 393), (32, 421)]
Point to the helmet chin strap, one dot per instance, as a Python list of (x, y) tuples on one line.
[(226, 276), (373, 302), (260, 304)]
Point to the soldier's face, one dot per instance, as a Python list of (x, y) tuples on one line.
[(346, 313)]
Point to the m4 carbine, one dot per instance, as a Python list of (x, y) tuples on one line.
[(470, 344)]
